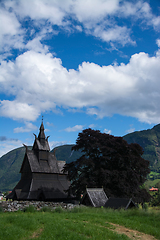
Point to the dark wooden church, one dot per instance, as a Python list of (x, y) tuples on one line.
[(42, 176)]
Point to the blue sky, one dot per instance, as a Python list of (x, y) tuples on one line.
[(80, 64)]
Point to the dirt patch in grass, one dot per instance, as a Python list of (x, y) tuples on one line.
[(132, 234), (37, 233)]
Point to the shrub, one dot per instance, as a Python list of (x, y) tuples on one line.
[(30, 209), (58, 210), (156, 199), (145, 206), (45, 209), (1, 209)]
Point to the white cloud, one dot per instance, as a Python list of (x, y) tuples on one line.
[(8, 23), (28, 128), (92, 126), (76, 128), (38, 10), (8, 145), (114, 34), (97, 18), (18, 110), (54, 144), (130, 130), (38, 82), (156, 22), (107, 131), (93, 11), (49, 124), (11, 34), (158, 42), (36, 45)]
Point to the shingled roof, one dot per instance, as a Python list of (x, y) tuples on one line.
[(118, 203), (37, 165), (95, 197)]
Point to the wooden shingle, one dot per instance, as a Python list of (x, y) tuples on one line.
[(94, 197)]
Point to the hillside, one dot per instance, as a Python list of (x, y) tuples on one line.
[(65, 153), (11, 162), (149, 140)]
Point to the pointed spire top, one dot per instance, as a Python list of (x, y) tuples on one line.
[(42, 126), (41, 135), (41, 143)]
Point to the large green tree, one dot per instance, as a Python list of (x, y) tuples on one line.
[(110, 162)]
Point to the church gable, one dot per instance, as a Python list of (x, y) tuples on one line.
[(25, 168), (38, 146)]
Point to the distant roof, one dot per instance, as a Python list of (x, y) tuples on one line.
[(95, 197), (120, 203), (153, 189)]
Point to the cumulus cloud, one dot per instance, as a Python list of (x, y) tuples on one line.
[(107, 131), (92, 126), (76, 128), (11, 33), (18, 110), (28, 128), (8, 144), (158, 42), (54, 144), (130, 130), (97, 18), (49, 124), (37, 82), (114, 34)]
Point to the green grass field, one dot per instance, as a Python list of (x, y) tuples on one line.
[(79, 223)]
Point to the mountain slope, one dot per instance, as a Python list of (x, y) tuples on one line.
[(149, 140), (11, 162), (65, 153)]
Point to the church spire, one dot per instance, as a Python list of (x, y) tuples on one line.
[(41, 135), (41, 143)]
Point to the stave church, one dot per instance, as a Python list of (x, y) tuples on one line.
[(42, 177)]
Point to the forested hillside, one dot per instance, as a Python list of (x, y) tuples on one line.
[(9, 168), (65, 153), (11, 162), (149, 140)]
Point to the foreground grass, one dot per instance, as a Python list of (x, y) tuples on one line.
[(80, 223)]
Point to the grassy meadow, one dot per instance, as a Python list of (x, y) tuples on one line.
[(76, 224)]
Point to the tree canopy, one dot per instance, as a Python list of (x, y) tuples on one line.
[(110, 162)]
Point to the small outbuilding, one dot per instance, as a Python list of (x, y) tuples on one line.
[(94, 197), (117, 203)]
